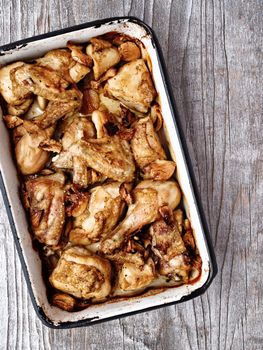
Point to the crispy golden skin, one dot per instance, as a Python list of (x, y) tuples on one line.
[(82, 275), (132, 85), (44, 198), (148, 197), (101, 215)]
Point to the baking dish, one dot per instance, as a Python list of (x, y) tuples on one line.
[(31, 263)]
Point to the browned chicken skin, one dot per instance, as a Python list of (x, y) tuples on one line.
[(30, 156), (132, 85), (82, 274), (44, 198), (134, 273), (108, 156), (101, 215), (148, 152)]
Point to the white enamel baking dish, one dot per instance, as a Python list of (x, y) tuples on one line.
[(31, 263)]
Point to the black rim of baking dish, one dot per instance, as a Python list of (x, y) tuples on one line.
[(213, 265)]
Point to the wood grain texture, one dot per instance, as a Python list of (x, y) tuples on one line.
[(213, 50)]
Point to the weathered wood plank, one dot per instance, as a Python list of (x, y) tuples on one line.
[(213, 51)]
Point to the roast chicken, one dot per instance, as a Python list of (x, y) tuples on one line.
[(110, 156), (134, 272), (97, 183)]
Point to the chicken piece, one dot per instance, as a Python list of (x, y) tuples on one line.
[(109, 156), (132, 85), (129, 51), (148, 152), (133, 272), (61, 61), (101, 215), (41, 81), (57, 109), (148, 197), (30, 157), (169, 246), (82, 274), (104, 56), (75, 128), (44, 198), (7, 89)]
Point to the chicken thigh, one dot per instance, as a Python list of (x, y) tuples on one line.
[(132, 85), (82, 274)]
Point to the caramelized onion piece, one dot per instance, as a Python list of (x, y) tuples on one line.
[(63, 301)]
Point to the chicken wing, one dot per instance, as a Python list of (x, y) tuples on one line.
[(44, 198), (82, 274), (109, 156), (132, 85), (6, 87), (101, 215), (39, 80), (148, 197), (65, 64), (57, 109), (148, 152)]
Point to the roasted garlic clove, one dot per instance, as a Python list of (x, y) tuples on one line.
[(104, 56)]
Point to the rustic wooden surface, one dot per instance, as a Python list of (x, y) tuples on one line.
[(213, 50)]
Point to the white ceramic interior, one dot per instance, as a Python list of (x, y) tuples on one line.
[(8, 170)]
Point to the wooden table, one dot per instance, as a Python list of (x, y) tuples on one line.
[(213, 51)]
